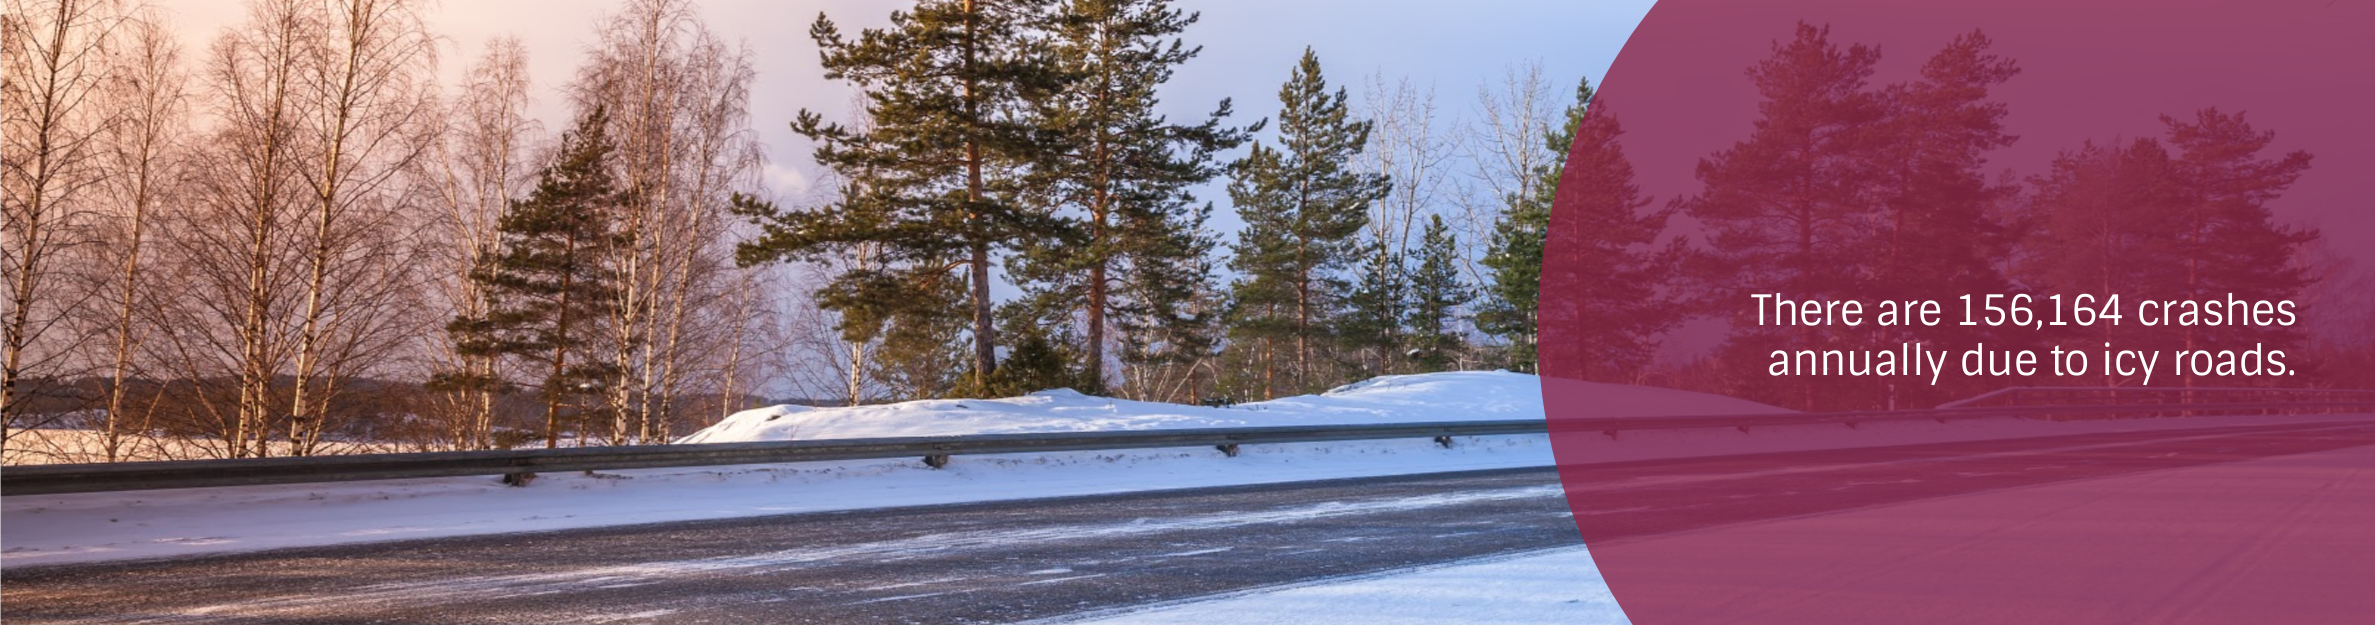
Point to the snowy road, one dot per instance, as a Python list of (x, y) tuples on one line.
[(1095, 556), (968, 563)]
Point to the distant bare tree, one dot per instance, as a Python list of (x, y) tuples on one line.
[(1408, 147), (1504, 146), (149, 92), (821, 361), (233, 245), (54, 120), (679, 101), (481, 165), (366, 84)]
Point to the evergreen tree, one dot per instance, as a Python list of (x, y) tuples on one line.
[(2233, 247), (1303, 206), (1436, 293), (1617, 275), (1371, 326), (1939, 239), (1789, 208), (1608, 275), (1040, 356), (1846, 191), (938, 178), (1513, 298), (1170, 313), (547, 285), (2178, 218), (1131, 241)]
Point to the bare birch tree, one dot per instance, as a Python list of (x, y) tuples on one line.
[(679, 99), (481, 166), (53, 123), (149, 92), (1408, 147), (1504, 146), (366, 85), (232, 246)]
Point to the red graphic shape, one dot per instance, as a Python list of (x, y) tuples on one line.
[(1875, 151)]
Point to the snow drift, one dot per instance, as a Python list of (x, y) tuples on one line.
[(91, 527), (1450, 396)]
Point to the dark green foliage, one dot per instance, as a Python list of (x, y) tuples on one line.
[(1850, 191), (1303, 207), (548, 285), (1371, 326), (1130, 255), (937, 180), (1614, 300), (1513, 299), (1037, 359), (2183, 217), (1436, 293)]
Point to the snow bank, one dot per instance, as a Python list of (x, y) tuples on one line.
[(1450, 396), (90, 527)]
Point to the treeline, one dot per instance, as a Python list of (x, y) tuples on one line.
[(1847, 189), (292, 237), (1022, 143)]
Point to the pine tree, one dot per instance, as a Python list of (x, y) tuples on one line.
[(1436, 294), (1787, 209), (2109, 219), (1608, 255), (1939, 240), (1513, 298), (547, 285), (1303, 206), (1939, 233), (1123, 171), (2150, 222), (940, 173), (1371, 326), (1609, 276), (1846, 191), (1613, 274), (2232, 246), (1040, 356), (1169, 318)]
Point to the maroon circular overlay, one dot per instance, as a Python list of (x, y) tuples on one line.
[(2165, 152)]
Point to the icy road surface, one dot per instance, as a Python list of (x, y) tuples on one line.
[(968, 563), (1312, 553)]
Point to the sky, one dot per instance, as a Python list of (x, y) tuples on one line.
[(1453, 47)]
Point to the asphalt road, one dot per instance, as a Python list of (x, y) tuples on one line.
[(1012, 561), (949, 564)]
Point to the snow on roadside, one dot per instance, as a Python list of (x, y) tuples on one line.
[(1450, 396), (1557, 586), (56, 529)]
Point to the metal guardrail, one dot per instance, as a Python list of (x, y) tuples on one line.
[(936, 451), (122, 476)]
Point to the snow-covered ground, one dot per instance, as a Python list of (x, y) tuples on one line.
[(1557, 586), (1451, 396), (51, 529)]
